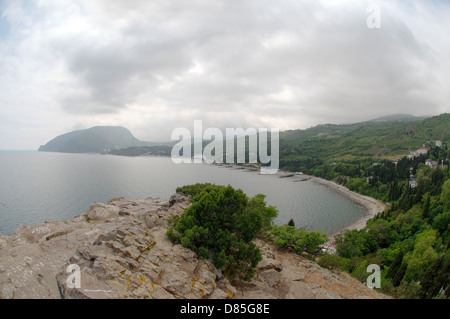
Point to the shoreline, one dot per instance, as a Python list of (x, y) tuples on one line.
[(371, 206)]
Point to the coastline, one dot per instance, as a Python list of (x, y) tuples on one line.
[(371, 206)]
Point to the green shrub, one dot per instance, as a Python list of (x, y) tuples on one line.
[(221, 224), (195, 189), (298, 239), (354, 243), (333, 262)]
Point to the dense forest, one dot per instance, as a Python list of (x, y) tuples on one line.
[(410, 239), (312, 151)]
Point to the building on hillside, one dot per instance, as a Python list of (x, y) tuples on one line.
[(421, 151), (412, 181), (438, 143), (418, 152), (431, 163)]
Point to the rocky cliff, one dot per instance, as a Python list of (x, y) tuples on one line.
[(122, 251)]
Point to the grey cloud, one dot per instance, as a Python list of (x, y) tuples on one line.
[(258, 63), (115, 75), (227, 37)]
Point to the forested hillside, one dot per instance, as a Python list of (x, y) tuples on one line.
[(311, 150), (410, 239)]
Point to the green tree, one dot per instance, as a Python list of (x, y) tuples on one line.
[(395, 266), (258, 206), (298, 239), (436, 278), (426, 207), (381, 231), (354, 243), (397, 277), (394, 192), (423, 255), (221, 224), (441, 222), (445, 195), (333, 262)]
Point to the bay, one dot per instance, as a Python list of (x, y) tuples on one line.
[(39, 186)]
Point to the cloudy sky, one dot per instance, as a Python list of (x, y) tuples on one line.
[(153, 66)]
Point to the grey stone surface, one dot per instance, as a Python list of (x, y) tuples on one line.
[(122, 251)]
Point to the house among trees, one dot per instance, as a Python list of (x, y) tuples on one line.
[(418, 152), (376, 164), (433, 164), (369, 179), (421, 151), (412, 181)]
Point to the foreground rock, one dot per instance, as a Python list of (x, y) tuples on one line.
[(122, 252)]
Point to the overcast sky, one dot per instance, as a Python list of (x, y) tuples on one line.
[(153, 66)]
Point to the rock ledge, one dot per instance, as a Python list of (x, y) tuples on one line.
[(122, 251)]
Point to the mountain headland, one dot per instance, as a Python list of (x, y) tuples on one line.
[(98, 139)]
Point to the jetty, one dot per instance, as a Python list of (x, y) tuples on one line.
[(282, 175)]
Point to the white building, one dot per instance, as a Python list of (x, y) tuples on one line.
[(418, 152)]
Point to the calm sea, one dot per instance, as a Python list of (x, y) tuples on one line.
[(35, 187)]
